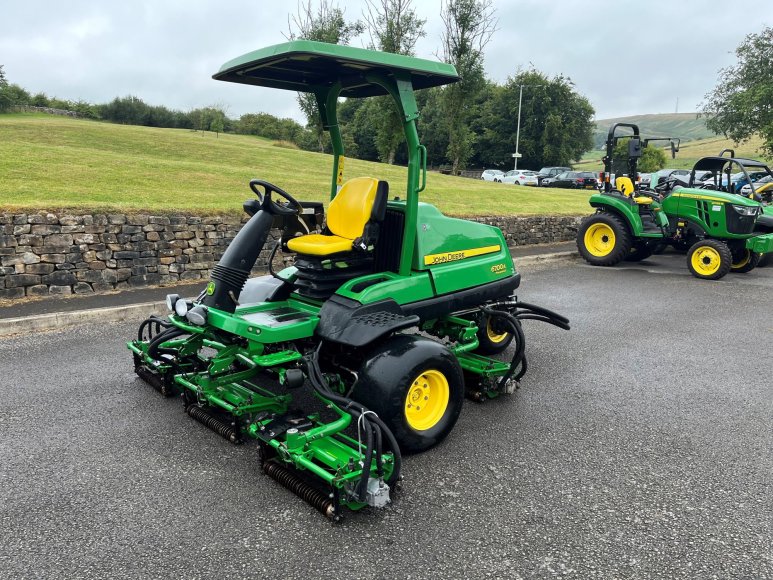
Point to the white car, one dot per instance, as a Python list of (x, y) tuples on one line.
[(521, 177), (492, 175)]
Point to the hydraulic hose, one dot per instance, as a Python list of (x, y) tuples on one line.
[(168, 334), (520, 342), (370, 421)]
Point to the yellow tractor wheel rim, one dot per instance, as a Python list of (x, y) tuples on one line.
[(743, 261), (599, 239), (493, 335), (706, 260), (427, 400)]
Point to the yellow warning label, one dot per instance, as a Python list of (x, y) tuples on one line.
[(340, 180), (433, 259)]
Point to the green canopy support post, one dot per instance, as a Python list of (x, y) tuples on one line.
[(327, 103)]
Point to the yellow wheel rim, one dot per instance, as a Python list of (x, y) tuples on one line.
[(492, 334), (706, 261), (745, 260), (427, 400), (599, 239)]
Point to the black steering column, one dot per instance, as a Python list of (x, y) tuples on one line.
[(233, 269)]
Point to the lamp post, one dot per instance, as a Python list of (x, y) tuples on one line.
[(517, 154)]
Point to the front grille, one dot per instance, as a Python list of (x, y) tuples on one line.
[(737, 223)]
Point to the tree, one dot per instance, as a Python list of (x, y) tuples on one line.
[(5, 98), (652, 158), (740, 105), (468, 27), (556, 121), (325, 24), (394, 27)]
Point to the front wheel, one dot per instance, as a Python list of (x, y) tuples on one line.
[(709, 259), (603, 239), (416, 386)]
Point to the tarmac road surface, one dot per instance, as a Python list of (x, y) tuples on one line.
[(639, 446)]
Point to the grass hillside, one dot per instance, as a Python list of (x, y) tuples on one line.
[(684, 125), (688, 154), (53, 163)]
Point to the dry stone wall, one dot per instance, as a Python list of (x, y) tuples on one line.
[(45, 254)]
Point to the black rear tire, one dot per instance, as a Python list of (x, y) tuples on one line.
[(709, 259), (745, 262), (603, 239), (404, 374)]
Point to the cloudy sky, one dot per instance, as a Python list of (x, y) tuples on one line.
[(628, 57)]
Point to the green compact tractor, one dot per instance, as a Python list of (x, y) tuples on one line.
[(716, 227), (390, 313)]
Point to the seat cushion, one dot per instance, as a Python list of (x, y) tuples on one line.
[(319, 245), (352, 207)]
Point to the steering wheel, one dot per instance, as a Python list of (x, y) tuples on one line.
[(292, 207)]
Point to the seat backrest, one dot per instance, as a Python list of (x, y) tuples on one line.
[(624, 185), (354, 205)]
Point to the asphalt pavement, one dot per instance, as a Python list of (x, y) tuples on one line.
[(639, 446)]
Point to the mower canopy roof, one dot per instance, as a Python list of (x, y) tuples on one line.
[(717, 163), (308, 66)]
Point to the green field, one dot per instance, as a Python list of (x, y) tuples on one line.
[(688, 154), (57, 163)]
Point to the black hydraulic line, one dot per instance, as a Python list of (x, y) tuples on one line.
[(528, 316), (541, 310), (168, 334), (320, 384), (356, 409), (520, 341)]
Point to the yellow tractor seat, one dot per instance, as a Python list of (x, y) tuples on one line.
[(320, 245), (352, 220), (624, 185)]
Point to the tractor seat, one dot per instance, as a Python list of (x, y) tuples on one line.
[(352, 220), (625, 185)]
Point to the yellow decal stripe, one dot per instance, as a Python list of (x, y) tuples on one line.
[(460, 255), (696, 196)]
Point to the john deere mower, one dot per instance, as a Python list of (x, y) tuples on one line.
[(716, 227), (388, 317)]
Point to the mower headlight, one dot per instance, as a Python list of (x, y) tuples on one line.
[(171, 300), (181, 308), (746, 210), (197, 315)]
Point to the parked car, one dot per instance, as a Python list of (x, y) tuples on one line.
[(549, 173), (659, 177), (521, 177), (575, 180), (764, 184), (492, 175)]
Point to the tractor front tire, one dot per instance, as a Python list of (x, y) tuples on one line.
[(415, 385), (745, 262), (709, 259), (603, 239)]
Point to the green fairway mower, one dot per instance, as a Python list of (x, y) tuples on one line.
[(345, 318), (715, 227)]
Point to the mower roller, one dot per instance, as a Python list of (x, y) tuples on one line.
[(391, 313), (717, 228)]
